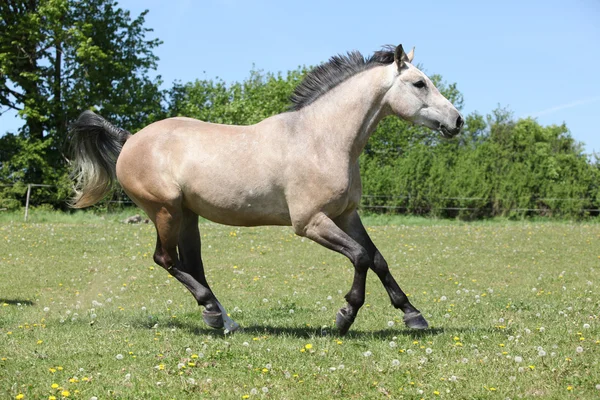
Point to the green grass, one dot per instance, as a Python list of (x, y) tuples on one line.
[(78, 291)]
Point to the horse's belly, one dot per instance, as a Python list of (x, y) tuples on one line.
[(240, 210)]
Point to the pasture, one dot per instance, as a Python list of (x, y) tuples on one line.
[(85, 313)]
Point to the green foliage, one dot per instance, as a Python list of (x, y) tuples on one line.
[(260, 96), (58, 58)]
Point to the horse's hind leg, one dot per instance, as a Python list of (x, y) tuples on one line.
[(169, 221), (189, 246), (355, 229)]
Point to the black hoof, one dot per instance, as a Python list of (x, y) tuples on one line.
[(343, 321), (213, 319), (414, 320)]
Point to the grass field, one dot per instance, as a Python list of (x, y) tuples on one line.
[(85, 313)]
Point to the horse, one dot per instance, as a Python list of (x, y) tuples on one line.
[(298, 168)]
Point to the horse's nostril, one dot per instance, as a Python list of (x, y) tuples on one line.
[(459, 122)]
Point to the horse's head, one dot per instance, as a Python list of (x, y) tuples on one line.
[(414, 98)]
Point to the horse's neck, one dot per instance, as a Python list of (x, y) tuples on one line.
[(344, 118)]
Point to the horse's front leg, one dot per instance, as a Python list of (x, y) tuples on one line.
[(324, 231), (352, 225)]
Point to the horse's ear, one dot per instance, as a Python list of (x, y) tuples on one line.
[(411, 55), (399, 57)]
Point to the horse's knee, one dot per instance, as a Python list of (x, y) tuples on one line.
[(380, 266)]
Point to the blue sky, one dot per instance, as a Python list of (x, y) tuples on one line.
[(538, 58)]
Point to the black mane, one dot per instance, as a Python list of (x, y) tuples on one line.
[(335, 71)]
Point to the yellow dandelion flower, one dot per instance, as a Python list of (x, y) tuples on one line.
[(65, 393), (20, 396), (54, 386), (191, 364), (308, 346), (51, 397), (569, 388), (194, 355), (52, 370), (246, 396), (161, 366), (40, 341)]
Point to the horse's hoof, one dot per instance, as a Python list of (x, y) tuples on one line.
[(415, 320), (343, 321), (213, 319)]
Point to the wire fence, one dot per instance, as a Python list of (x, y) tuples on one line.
[(376, 203)]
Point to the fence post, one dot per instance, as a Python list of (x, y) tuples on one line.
[(27, 201)]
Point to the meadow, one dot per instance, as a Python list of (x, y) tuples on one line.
[(86, 314)]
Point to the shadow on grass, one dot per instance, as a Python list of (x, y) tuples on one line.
[(14, 302), (308, 332)]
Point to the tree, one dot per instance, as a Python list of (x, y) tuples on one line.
[(60, 57)]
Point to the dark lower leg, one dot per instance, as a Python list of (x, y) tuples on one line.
[(167, 258), (397, 296)]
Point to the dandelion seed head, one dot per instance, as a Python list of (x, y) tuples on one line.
[(518, 359), (586, 326), (119, 356), (367, 353), (395, 362), (253, 391), (390, 323), (444, 298), (428, 350), (579, 349), (393, 344), (542, 353), (265, 300)]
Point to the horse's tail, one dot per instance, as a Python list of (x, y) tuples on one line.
[(96, 145)]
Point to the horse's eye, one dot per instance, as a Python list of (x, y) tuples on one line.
[(419, 84)]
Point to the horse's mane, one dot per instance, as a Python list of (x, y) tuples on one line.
[(339, 68)]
